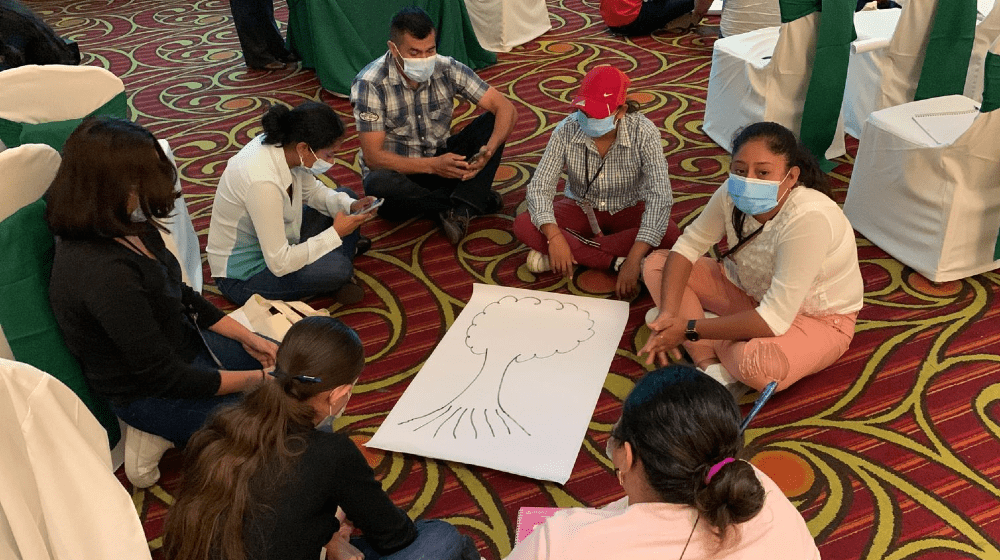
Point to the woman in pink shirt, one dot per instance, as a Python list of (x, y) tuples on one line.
[(688, 494)]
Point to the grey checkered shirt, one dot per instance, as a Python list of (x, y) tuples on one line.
[(416, 122), (635, 170)]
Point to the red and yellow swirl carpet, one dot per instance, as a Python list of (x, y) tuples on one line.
[(891, 453)]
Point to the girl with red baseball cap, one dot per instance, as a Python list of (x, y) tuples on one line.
[(617, 197)]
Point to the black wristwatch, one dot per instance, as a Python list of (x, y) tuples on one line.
[(690, 333)]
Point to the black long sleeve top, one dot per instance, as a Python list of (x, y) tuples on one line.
[(123, 316), (294, 515)]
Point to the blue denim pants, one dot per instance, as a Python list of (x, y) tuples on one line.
[(436, 540), (177, 419), (326, 275)]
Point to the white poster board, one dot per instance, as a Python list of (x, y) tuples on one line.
[(512, 385)]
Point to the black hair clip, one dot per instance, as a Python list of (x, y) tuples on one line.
[(281, 374)]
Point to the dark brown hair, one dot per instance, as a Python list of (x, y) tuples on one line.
[(316, 124), (267, 428), (781, 142), (104, 161), (680, 423)]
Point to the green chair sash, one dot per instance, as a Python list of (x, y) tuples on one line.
[(949, 49), (991, 83), (26, 315), (825, 94), (55, 133)]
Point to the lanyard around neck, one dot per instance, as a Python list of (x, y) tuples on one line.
[(586, 166)]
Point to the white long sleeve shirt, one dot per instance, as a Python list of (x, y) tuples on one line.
[(805, 260), (248, 233)]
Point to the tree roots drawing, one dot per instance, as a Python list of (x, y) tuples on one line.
[(506, 332)]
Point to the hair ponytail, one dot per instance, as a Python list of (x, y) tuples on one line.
[(266, 430), (732, 496), (276, 124)]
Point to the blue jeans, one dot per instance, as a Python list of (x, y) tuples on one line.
[(325, 275), (436, 540), (177, 419)]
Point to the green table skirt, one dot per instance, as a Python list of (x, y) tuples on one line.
[(338, 38)]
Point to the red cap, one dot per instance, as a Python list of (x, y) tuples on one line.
[(602, 92)]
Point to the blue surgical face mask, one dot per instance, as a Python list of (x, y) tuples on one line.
[(596, 128), (419, 69), (753, 196)]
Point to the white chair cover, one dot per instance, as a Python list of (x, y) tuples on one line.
[(25, 174), (763, 76), (984, 8), (181, 238), (58, 496), (501, 25), (924, 188), (40, 94), (887, 75), (987, 31)]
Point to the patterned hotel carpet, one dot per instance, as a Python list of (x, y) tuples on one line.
[(891, 453)]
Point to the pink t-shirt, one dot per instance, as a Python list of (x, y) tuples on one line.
[(658, 531)]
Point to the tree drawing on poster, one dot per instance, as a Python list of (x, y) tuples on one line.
[(478, 408)]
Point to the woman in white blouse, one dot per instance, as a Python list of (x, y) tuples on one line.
[(787, 290), (276, 230), (677, 452)]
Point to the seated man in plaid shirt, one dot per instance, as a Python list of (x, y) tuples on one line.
[(403, 105), (617, 195)]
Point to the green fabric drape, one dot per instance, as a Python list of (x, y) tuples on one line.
[(949, 49), (54, 134), (825, 94), (340, 37), (26, 315), (991, 83)]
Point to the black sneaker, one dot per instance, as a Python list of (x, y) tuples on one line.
[(454, 225), (362, 246), (494, 203), (350, 293)]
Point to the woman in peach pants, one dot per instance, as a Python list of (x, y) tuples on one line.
[(788, 290)]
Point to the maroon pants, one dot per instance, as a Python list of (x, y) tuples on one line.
[(619, 231)]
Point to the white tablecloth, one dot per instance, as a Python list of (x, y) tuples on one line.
[(501, 25)]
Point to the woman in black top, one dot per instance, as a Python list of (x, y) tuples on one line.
[(261, 483), (117, 294)]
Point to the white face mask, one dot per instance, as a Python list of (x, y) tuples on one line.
[(319, 166), (418, 69), (138, 215), (326, 424)]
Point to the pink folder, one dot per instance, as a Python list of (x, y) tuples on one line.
[(530, 517)]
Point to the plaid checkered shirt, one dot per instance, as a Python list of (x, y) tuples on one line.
[(416, 122), (634, 169)]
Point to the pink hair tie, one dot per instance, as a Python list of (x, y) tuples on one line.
[(716, 468)]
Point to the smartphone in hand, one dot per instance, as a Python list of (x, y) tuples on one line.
[(378, 202), (476, 156)]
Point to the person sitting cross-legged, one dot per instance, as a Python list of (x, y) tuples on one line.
[(403, 107), (617, 196)]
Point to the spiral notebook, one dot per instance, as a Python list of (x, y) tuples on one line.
[(530, 517)]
